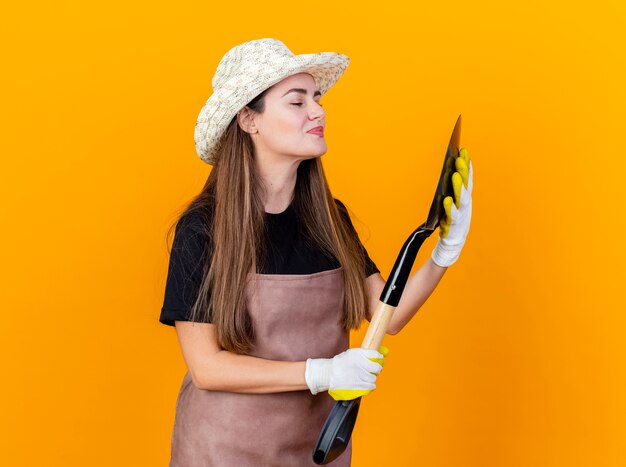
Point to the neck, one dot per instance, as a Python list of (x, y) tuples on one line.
[(279, 181)]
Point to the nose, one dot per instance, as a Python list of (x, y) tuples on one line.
[(316, 112)]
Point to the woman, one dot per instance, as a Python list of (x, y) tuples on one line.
[(267, 274)]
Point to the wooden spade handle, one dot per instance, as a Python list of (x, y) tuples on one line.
[(378, 326)]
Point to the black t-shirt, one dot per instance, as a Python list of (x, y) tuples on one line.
[(288, 251)]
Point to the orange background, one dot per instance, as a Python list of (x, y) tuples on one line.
[(517, 359)]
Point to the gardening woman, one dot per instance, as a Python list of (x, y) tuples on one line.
[(267, 275)]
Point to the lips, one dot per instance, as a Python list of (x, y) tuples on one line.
[(318, 130)]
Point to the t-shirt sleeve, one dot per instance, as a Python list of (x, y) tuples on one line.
[(186, 269), (370, 266)]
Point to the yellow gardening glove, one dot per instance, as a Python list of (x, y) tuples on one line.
[(349, 394), (461, 176), (454, 227)]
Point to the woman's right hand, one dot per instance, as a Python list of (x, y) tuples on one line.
[(346, 376)]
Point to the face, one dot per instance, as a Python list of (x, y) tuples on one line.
[(292, 110)]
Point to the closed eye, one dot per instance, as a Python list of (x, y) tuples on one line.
[(300, 103)]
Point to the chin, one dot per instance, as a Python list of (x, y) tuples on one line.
[(320, 152)]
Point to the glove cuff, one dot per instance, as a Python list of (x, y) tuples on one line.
[(444, 255), (317, 374)]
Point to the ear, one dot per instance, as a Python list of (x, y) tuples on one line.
[(246, 120)]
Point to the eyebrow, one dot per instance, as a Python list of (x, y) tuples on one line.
[(301, 91)]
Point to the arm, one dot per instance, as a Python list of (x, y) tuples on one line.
[(418, 288), (348, 375), (215, 369)]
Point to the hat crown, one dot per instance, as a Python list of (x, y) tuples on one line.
[(258, 54)]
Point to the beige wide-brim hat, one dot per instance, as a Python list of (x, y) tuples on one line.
[(245, 72)]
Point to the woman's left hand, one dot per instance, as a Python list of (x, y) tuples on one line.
[(454, 227)]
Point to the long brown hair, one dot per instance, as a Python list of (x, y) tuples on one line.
[(232, 203)]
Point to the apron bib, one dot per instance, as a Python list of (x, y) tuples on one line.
[(295, 317)]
